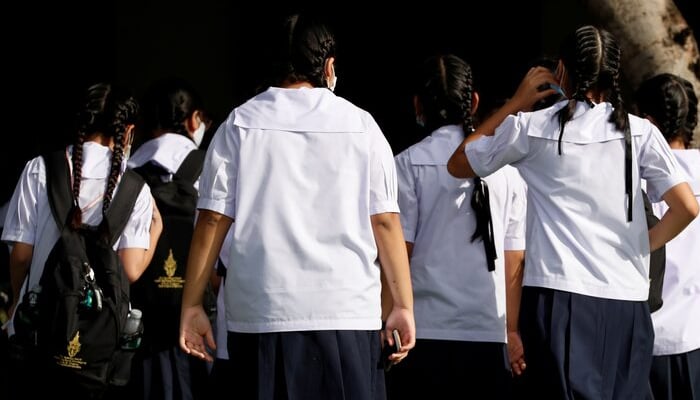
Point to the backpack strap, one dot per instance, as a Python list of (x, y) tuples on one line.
[(123, 203), (58, 186), (191, 166)]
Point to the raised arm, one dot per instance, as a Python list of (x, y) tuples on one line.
[(523, 99)]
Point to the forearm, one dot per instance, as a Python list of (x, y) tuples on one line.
[(393, 258), (20, 261), (514, 263), (208, 236), (683, 208)]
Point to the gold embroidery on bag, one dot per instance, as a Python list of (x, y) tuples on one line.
[(70, 360), (169, 281)]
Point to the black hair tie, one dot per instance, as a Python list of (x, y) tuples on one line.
[(484, 225)]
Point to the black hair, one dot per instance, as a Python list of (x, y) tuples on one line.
[(303, 47), (671, 101), (168, 104), (445, 89), (592, 58), (108, 110)]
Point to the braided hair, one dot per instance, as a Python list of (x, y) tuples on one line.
[(168, 105), (107, 110), (671, 101), (302, 52), (592, 56), (445, 90)]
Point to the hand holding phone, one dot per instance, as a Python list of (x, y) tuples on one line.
[(389, 350)]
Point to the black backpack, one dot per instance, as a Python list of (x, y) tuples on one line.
[(159, 290), (657, 262), (74, 322)]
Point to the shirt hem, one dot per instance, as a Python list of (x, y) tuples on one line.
[(368, 324), (635, 294)]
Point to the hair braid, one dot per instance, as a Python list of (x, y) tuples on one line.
[(76, 218)]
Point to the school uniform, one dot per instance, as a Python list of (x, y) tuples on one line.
[(675, 372), (221, 367), (459, 305), (301, 171), (29, 220), (167, 151), (585, 322), (166, 373)]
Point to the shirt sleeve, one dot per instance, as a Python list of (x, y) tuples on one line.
[(658, 165), (408, 199), (137, 232), (508, 145), (219, 179), (382, 170), (517, 213), (22, 212)]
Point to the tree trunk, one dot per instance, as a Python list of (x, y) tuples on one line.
[(654, 38)]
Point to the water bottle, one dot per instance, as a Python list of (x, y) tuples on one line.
[(131, 339)]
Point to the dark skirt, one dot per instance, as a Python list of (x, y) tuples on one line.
[(676, 376), (583, 347), (446, 369), (306, 365)]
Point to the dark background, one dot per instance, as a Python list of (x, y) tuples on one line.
[(53, 52)]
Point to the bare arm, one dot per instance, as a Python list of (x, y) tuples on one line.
[(209, 233), (514, 261), (394, 261), (136, 260), (387, 303), (20, 261), (523, 99), (682, 209)]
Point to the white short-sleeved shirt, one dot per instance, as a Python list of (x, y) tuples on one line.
[(578, 236), (677, 322), (456, 297), (168, 151), (300, 171), (29, 218)]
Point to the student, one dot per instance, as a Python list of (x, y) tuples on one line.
[(98, 159), (310, 181), (669, 102), (584, 319), (460, 235), (174, 119)]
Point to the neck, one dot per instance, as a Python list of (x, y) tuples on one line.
[(296, 85), (595, 97), (102, 139), (677, 143)]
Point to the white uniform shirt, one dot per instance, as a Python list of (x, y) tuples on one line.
[(578, 237), (677, 322), (168, 151), (29, 218), (456, 297), (300, 171)]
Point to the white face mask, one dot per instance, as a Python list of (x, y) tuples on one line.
[(332, 81), (198, 133)]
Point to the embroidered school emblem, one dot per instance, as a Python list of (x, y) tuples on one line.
[(70, 360), (170, 281)]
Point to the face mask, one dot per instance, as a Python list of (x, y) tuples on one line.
[(333, 81), (198, 133), (420, 122)]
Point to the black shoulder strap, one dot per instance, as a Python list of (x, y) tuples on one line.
[(58, 186), (123, 203), (191, 166)]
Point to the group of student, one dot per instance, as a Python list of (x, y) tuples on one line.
[(525, 233)]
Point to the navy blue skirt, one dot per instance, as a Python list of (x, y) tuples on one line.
[(306, 365), (676, 376), (583, 347)]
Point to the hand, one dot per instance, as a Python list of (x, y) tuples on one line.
[(528, 92), (195, 329), (516, 353), (402, 320)]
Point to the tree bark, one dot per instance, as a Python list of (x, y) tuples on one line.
[(654, 38)]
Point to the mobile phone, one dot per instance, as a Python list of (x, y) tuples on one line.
[(389, 350), (397, 341)]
